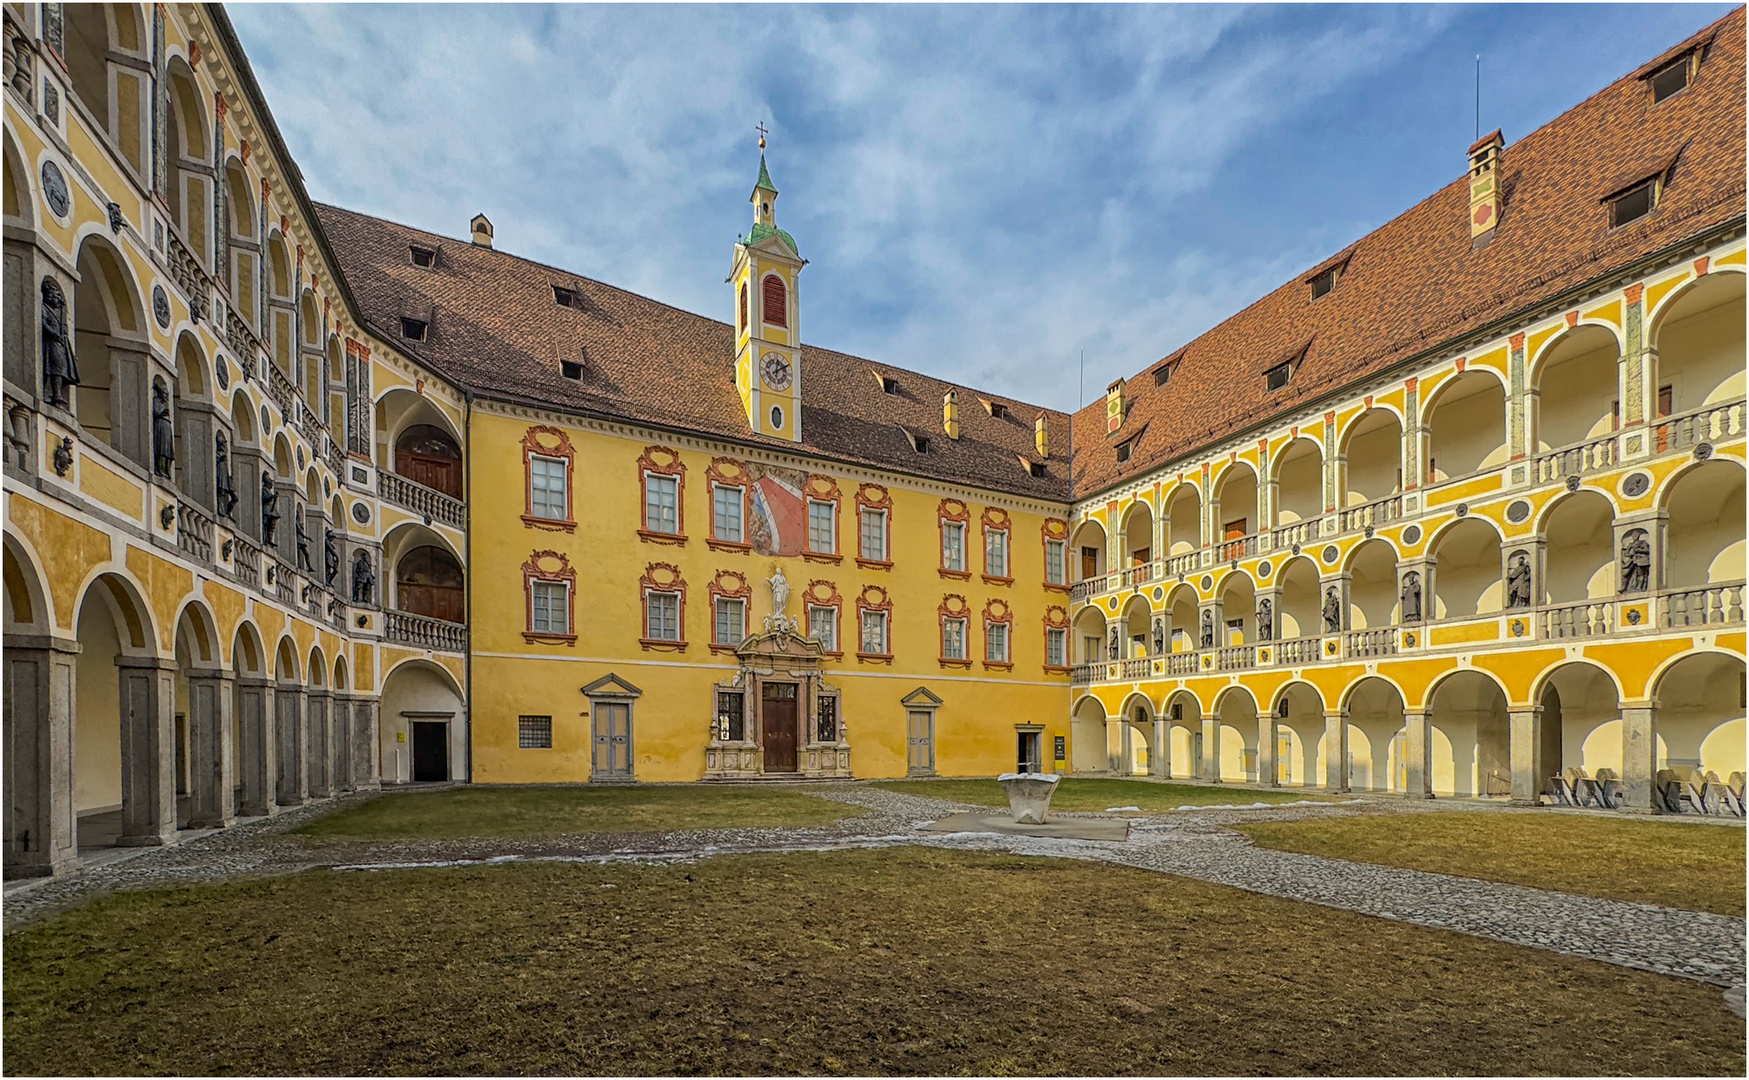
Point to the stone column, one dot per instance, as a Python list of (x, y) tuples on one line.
[(320, 763), (40, 698), (293, 736), (1161, 765), (1418, 754), (367, 744), (1336, 751), (195, 424), (1525, 747), (1114, 743), (1639, 758), (286, 533), (256, 730), (1211, 749), (1266, 771), (246, 479), (340, 725), (148, 750), (210, 751)]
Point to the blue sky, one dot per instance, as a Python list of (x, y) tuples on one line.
[(983, 192)]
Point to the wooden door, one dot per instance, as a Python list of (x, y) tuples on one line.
[(1089, 563), (777, 717), (438, 473), (613, 740), (430, 751), (1665, 400), (428, 581), (1139, 557), (921, 741)]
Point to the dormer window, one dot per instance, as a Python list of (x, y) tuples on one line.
[(889, 385), (996, 409), (562, 296), (1123, 450), (571, 369), (414, 329), (1163, 373), (919, 442), (1671, 80), (1633, 204), (1323, 283), (1035, 468), (426, 257), (1277, 376)]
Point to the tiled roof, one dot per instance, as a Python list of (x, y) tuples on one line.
[(1415, 282), (496, 328)]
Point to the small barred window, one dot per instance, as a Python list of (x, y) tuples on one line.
[(534, 733)]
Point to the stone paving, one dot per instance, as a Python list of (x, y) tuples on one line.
[(1688, 944)]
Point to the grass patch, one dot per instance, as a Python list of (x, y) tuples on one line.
[(555, 811), (1097, 793), (895, 961), (1697, 867)]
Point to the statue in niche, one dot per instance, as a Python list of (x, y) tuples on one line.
[(364, 582), (1332, 611), (330, 559), (163, 431), (269, 509), (1411, 597), (226, 490), (1636, 562), (1208, 629), (1111, 647), (1518, 581), (60, 367), (1265, 620), (1159, 636), (779, 591), (303, 538)]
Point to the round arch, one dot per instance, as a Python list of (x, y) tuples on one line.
[(1700, 723), (1371, 451), (203, 631), (1297, 474), (1578, 528), (282, 456), (1575, 383), (1373, 598), (1372, 707), (1465, 424), (1087, 545), (1087, 748), (340, 672), (316, 668), (29, 602), (1181, 511), (416, 693), (1703, 529), (1137, 530), (20, 205), (285, 662), (125, 601), (248, 651), (1469, 574), (243, 417)]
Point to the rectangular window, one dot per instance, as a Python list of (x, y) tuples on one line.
[(413, 329), (1055, 568), (823, 626), (1323, 283), (726, 503), (826, 718), (663, 616), (874, 535), (661, 504), (427, 258), (546, 488), (534, 733), (731, 620), (822, 527), (1057, 646), (1634, 204), (996, 643), (563, 296), (953, 639), (1277, 376), (953, 545), (874, 632), (731, 717), (1123, 450), (996, 553), (1671, 81), (548, 611)]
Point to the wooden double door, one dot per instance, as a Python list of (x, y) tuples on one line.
[(778, 717)]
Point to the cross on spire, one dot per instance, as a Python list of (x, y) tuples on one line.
[(760, 127)]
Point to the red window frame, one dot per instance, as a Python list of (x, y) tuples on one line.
[(729, 473), (824, 489), (1054, 529), (548, 442), (729, 585), (548, 566), (953, 606), (774, 297), (873, 497), (998, 613), (662, 461), (953, 510), (874, 598), (662, 578), (997, 520)]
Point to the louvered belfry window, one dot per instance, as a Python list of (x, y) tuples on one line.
[(772, 300)]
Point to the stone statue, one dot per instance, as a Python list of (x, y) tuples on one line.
[(1159, 636), (1332, 611), (304, 563), (1265, 620), (330, 559), (1518, 581), (779, 591), (364, 582), (1111, 648), (1208, 629), (60, 368), (269, 509), (163, 431), (1411, 597), (227, 491), (1636, 562)]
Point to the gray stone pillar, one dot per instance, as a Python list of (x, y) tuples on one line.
[(286, 532), (1114, 744), (340, 726), (246, 479), (148, 750), (1336, 752), (367, 750), (1266, 771), (40, 698), (211, 782), (1639, 758), (256, 729), (1418, 755), (293, 738), (320, 763), (1161, 765), (1525, 745), (1211, 749), (130, 400), (195, 424)]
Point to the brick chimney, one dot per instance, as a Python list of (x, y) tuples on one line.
[(1485, 188)]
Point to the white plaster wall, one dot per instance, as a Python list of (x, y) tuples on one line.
[(415, 688)]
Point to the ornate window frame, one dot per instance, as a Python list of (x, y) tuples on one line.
[(725, 472), (953, 511), (662, 461), (730, 585), (553, 444), (998, 613), (661, 578), (954, 609), (824, 489), (549, 566), (824, 594), (997, 520), (874, 598), (1054, 530), (874, 497), (1056, 618)]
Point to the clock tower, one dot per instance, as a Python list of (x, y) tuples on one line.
[(768, 330)]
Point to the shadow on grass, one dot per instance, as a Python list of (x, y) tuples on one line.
[(1095, 793)]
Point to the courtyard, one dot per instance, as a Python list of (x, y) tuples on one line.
[(813, 929)]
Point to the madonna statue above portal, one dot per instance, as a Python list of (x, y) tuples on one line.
[(779, 619)]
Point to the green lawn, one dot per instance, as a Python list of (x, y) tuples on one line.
[(1675, 864), (555, 811), (900, 961), (1097, 793)]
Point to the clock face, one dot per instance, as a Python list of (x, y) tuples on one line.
[(775, 368)]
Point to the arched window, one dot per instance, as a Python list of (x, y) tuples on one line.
[(426, 454), (742, 325), (428, 581), (772, 292)]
